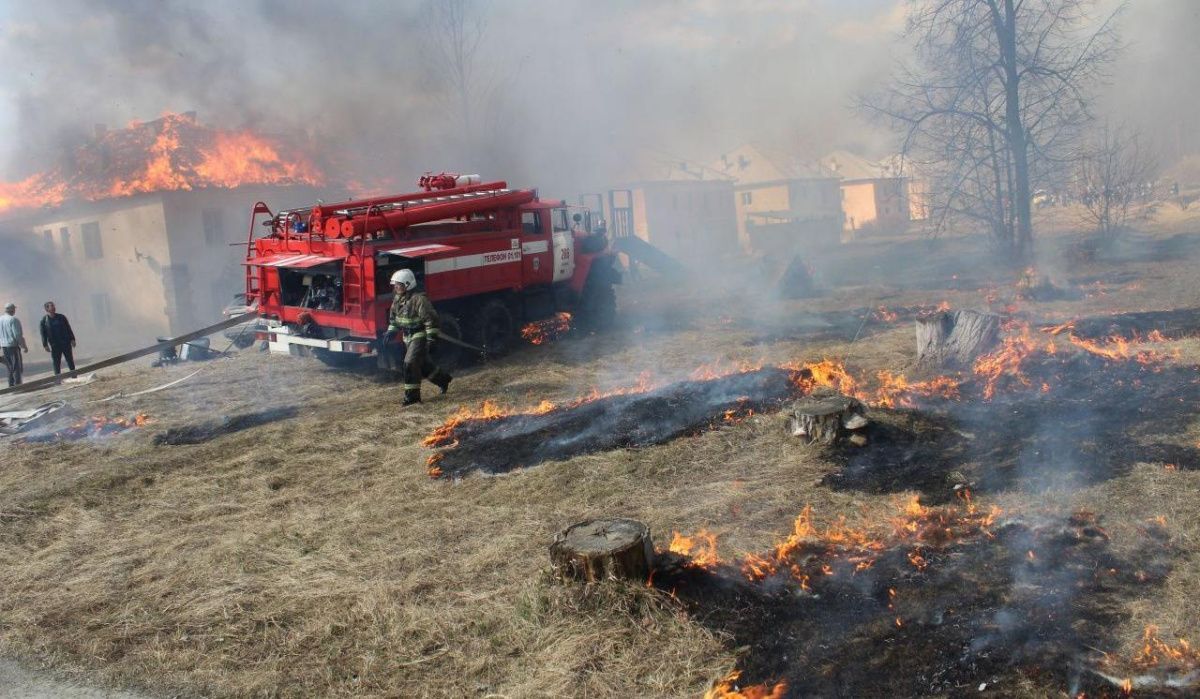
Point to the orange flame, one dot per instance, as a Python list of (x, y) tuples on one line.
[(540, 332), (893, 390), (101, 426), (1156, 652), (883, 315), (1060, 329), (916, 523), (726, 688), (1119, 348), (1006, 361), (701, 548), (170, 153)]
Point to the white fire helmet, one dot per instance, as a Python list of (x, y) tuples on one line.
[(404, 277)]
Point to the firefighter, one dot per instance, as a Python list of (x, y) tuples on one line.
[(413, 317)]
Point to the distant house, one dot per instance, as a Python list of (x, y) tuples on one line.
[(781, 203), (685, 211), (875, 196)]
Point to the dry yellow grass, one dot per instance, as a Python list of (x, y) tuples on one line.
[(314, 557)]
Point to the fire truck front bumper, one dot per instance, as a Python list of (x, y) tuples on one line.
[(281, 339)]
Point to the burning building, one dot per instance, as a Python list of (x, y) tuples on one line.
[(781, 205), (142, 231)]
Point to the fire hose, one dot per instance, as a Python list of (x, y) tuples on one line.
[(460, 343), (122, 358), (385, 340)]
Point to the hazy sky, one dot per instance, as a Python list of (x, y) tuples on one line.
[(579, 90)]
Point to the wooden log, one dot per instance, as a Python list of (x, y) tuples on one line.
[(825, 418), (955, 338), (603, 549)]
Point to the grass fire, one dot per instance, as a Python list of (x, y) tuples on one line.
[(456, 348)]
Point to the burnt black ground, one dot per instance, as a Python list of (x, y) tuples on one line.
[(228, 424), (983, 611), (1098, 418), (1171, 324), (615, 422)]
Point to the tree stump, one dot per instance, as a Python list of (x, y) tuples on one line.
[(603, 549), (955, 338), (825, 418)]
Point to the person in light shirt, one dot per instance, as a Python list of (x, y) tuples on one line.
[(12, 343)]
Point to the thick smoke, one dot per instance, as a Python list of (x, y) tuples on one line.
[(567, 95), (1154, 86)]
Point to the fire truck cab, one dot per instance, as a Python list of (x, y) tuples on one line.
[(490, 258)]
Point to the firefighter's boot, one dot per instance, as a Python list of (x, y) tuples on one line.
[(441, 379), (412, 396)]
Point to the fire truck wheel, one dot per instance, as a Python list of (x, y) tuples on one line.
[(447, 355), (598, 307), (494, 328)]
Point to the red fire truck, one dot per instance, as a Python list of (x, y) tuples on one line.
[(490, 258)]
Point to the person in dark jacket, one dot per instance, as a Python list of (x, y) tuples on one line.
[(58, 338)]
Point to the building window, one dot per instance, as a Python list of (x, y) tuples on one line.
[(747, 198), (64, 239), (92, 249), (214, 225), (48, 239), (101, 310)]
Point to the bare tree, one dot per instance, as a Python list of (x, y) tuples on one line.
[(454, 30), (1115, 173), (472, 83), (994, 102)]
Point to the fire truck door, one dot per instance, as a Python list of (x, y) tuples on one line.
[(536, 262), (564, 245)]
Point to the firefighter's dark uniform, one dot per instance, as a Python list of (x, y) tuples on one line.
[(414, 317)]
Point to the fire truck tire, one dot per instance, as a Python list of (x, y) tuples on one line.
[(598, 307), (445, 354), (495, 331), (243, 341)]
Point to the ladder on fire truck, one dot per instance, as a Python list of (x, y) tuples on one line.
[(417, 204), (352, 288), (354, 281)]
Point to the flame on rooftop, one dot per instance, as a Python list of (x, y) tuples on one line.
[(174, 152)]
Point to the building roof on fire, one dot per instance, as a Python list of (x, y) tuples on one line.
[(174, 152)]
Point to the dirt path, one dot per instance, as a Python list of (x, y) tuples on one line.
[(20, 682)]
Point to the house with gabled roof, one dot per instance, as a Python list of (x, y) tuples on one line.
[(875, 195), (682, 208), (781, 202)]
